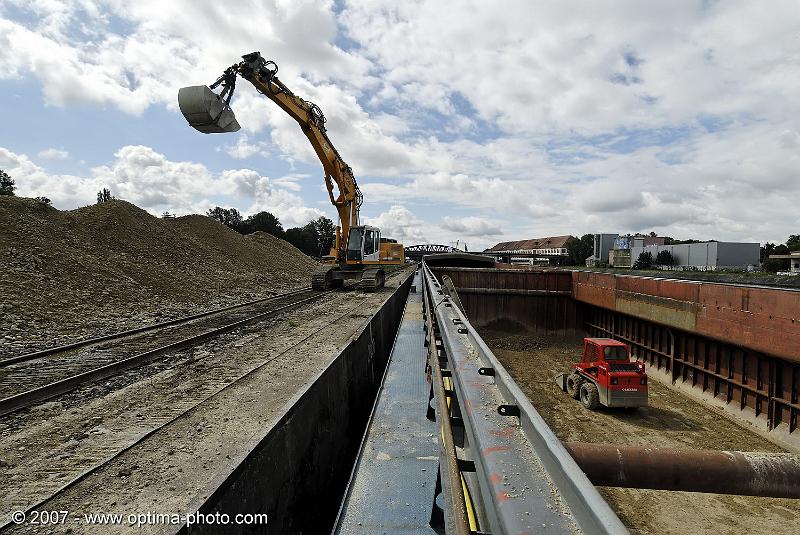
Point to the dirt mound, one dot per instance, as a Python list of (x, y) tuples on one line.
[(113, 265)]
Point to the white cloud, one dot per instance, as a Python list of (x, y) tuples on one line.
[(559, 117), (148, 179), (243, 149), (401, 224), (471, 226), (53, 154)]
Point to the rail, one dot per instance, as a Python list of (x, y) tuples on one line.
[(139, 330), (59, 387), (517, 474)]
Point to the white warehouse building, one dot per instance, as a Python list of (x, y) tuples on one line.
[(707, 255)]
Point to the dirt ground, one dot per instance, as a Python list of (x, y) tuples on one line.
[(67, 275), (671, 420), (197, 415)]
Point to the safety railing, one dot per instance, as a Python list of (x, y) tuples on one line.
[(502, 470)]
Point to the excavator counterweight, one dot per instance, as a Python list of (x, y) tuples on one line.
[(359, 251)]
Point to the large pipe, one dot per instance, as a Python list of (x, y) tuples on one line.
[(744, 473)]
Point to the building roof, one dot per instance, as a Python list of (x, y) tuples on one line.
[(553, 242), (792, 254)]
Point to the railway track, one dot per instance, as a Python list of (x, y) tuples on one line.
[(33, 378), (164, 416)]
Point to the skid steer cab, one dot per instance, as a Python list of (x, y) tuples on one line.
[(606, 376)]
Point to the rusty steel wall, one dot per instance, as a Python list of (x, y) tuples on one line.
[(732, 374), (738, 345), (765, 320), (541, 301)]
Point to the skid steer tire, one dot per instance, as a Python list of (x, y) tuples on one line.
[(590, 397), (574, 382)]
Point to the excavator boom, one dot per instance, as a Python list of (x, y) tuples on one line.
[(359, 251), (210, 113)]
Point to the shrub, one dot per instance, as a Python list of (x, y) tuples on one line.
[(645, 261)]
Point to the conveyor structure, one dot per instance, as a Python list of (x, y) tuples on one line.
[(454, 446)]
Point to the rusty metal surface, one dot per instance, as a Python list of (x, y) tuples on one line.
[(539, 300), (761, 319), (736, 344), (775, 475)]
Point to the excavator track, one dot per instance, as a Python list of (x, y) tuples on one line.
[(322, 279), (372, 279)]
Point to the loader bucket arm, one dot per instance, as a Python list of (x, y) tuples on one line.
[(209, 113)]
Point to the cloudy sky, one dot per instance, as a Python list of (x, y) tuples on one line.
[(461, 121)]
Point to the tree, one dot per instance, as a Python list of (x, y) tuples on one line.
[(645, 261), (766, 250), (578, 250), (304, 238), (263, 222), (326, 234), (44, 200), (7, 186), (665, 258), (230, 217), (104, 195), (793, 243)]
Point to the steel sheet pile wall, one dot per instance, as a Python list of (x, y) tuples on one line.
[(298, 469), (736, 344), (539, 300)]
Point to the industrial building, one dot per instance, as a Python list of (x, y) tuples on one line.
[(621, 255), (536, 251), (603, 243), (706, 256)]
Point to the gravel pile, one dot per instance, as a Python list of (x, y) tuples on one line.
[(65, 275)]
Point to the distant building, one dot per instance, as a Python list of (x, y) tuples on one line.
[(706, 255), (603, 243), (794, 261), (537, 251), (621, 255)]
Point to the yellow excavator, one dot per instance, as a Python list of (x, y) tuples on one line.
[(359, 251)]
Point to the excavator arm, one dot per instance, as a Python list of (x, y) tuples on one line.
[(211, 113)]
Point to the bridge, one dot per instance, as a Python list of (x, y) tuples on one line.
[(416, 252)]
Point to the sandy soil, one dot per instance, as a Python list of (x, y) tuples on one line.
[(671, 420), (202, 410), (67, 275)]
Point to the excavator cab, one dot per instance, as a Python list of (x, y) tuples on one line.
[(363, 244)]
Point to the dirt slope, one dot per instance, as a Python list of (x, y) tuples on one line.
[(64, 274)]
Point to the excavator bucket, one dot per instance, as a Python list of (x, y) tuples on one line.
[(206, 111)]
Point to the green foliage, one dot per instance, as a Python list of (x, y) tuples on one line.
[(578, 250), (793, 243), (104, 195), (230, 217), (645, 261), (326, 233), (773, 265), (44, 200), (304, 239), (315, 238), (7, 186), (263, 222), (665, 258)]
